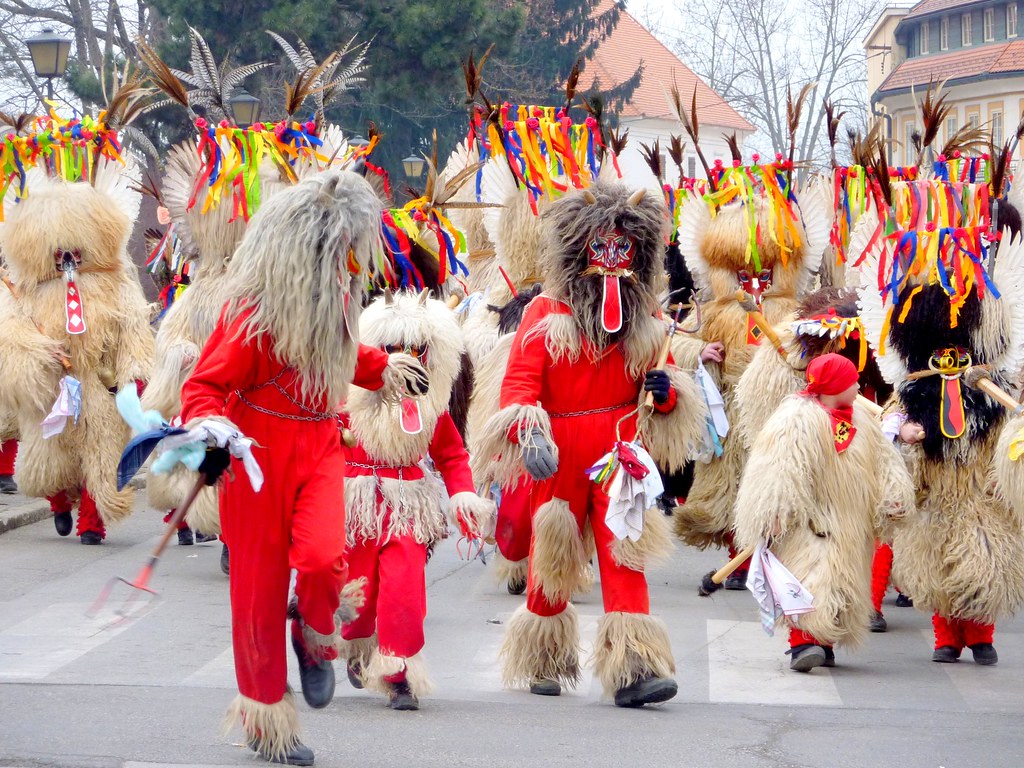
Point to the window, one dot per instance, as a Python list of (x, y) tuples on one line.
[(691, 167), (989, 24), (950, 127), (1011, 20), (996, 120), (944, 34), (974, 120), (909, 152), (966, 38), (922, 38)]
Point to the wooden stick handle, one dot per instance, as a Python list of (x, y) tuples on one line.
[(662, 360), (726, 570), (994, 391), (873, 408), (759, 320), (179, 515), (453, 301)]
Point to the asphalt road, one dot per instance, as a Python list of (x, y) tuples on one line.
[(152, 692)]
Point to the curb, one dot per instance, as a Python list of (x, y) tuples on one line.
[(27, 512)]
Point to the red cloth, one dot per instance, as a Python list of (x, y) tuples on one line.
[(830, 374), (959, 633), (881, 568), (8, 454), (296, 521), (514, 527), (182, 525), (564, 388), (798, 637), (89, 516)]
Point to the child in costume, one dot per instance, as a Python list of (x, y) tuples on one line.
[(395, 510), (820, 482)]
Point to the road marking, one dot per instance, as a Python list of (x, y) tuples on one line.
[(53, 638), (745, 666)]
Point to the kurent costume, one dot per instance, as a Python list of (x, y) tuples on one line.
[(277, 366), (395, 508), (818, 485), (940, 315), (79, 302), (578, 367)]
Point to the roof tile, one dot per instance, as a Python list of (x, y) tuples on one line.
[(959, 65)]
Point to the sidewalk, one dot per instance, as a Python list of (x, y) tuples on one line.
[(18, 510)]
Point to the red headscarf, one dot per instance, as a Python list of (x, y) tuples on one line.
[(832, 374)]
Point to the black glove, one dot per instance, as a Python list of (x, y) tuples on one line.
[(215, 464), (657, 382)]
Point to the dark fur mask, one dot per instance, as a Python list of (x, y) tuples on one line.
[(576, 220), (510, 315)]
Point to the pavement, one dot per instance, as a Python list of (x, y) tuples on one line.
[(151, 692)]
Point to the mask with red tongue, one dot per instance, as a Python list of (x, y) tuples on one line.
[(611, 256), (68, 261), (755, 285), (411, 419)]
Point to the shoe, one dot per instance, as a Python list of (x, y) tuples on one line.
[(185, 538), (516, 585), (225, 564), (984, 654), (830, 657), (7, 485), (355, 675), (878, 623), (400, 697), (91, 538), (63, 523), (202, 538), (947, 654), (646, 690), (736, 581), (317, 677), (298, 754), (806, 657), (542, 686), (902, 601)]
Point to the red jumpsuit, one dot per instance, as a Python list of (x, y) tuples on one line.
[(8, 453), (297, 520), (393, 564), (584, 400), (514, 527)]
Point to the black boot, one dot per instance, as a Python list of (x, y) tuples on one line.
[(317, 677), (542, 686), (91, 538), (878, 622), (225, 564), (736, 581), (7, 485), (902, 601), (298, 754), (185, 538), (947, 654), (806, 657), (830, 656), (646, 690), (400, 697), (516, 585), (202, 538), (63, 523), (355, 674), (984, 653)]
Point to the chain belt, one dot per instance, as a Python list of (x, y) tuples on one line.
[(377, 479), (310, 415), (593, 412)]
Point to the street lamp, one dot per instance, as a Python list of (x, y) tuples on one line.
[(413, 166), (245, 108), (49, 52)]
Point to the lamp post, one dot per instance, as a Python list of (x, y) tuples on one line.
[(413, 166), (49, 52), (245, 108)]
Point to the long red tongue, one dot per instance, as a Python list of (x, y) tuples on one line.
[(951, 415), (73, 310), (611, 306), (412, 424)]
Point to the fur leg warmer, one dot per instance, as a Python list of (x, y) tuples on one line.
[(630, 646), (653, 546), (506, 570), (272, 729), (546, 647), (558, 554), (383, 666), (353, 598)]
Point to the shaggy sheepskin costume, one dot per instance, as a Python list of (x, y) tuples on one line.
[(574, 382), (961, 554), (715, 248), (278, 365), (820, 505), (395, 509), (86, 227)]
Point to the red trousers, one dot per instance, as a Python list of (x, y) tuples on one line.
[(8, 453), (881, 568), (623, 589), (744, 567), (182, 526), (799, 637), (396, 594), (959, 633), (296, 521), (88, 515), (514, 528)]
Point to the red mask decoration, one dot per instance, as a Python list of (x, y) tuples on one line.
[(68, 261), (611, 255), (755, 285)]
